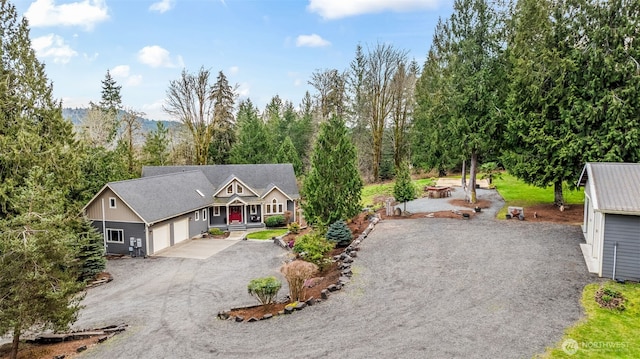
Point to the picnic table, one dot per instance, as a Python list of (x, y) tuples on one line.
[(438, 191)]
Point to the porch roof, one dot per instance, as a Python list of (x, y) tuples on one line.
[(245, 199)]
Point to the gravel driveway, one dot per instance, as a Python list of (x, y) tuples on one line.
[(440, 288)]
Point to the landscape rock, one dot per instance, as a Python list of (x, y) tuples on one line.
[(332, 288), (224, 315), (281, 312), (59, 356), (344, 280), (300, 305), (252, 319), (311, 301), (267, 316), (324, 294), (239, 318), (347, 272), (103, 338), (353, 254), (289, 309), (81, 349), (347, 259)]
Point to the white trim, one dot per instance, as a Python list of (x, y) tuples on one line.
[(204, 214), (196, 215), (279, 190), (234, 178), (115, 230), (253, 209), (275, 207), (113, 202), (216, 211)]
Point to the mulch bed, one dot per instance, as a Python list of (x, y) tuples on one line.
[(614, 300)]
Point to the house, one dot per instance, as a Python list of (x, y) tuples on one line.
[(170, 204), (612, 219)]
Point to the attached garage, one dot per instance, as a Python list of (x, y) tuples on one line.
[(161, 238), (612, 219), (180, 230)]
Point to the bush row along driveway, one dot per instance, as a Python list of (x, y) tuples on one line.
[(440, 288)]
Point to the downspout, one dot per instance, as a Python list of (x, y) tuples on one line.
[(104, 228), (615, 257)]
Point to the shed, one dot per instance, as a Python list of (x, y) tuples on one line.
[(611, 224)]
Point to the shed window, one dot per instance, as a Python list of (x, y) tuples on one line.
[(115, 235), (196, 216), (112, 202)]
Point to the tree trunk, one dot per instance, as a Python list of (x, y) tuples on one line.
[(405, 207), (16, 342), (464, 174), (558, 197), (377, 156), (472, 177)]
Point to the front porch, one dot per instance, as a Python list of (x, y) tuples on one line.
[(236, 215)]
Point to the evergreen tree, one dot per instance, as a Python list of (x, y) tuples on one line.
[(302, 129), (333, 186), (156, 150), (403, 188), (224, 98), (339, 233), (110, 104), (90, 248), (288, 154), (253, 144)]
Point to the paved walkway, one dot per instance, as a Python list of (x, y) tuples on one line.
[(202, 248)]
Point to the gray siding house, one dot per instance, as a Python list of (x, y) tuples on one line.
[(170, 204), (611, 224)]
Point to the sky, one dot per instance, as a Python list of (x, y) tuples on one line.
[(266, 47)]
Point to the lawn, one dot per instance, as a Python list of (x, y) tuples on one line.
[(369, 192), (604, 333), (267, 234), (517, 193)]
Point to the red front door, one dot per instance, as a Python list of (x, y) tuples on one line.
[(235, 214)]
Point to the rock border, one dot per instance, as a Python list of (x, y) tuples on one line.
[(345, 260)]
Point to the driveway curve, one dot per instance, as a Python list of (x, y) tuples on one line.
[(440, 288)]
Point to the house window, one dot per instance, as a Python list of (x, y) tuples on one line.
[(268, 208), (204, 214), (238, 188), (112, 202), (216, 211), (115, 235), (280, 208), (254, 209), (230, 189), (196, 216), (274, 207)]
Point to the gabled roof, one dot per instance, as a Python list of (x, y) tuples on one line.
[(614, 187), (228, 181), (166, 196), (260, 177)]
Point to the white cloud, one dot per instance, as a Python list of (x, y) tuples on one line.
[(312, 40), (120, 71), (134, 80), (162, 6), (243, 90), (234, 70), (336, 9), (156, 56), (86, 13), (90, 58), (154, 111), (53, 46)]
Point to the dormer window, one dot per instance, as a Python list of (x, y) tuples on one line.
[(238, 189), (230, 189)]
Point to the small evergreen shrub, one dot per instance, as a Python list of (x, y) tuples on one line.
[(339, 233), (264, 289), (274, 221), (296, 273), (312, 247), (294, 227), (215, 231)]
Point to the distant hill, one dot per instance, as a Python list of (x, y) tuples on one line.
[(77, 114)]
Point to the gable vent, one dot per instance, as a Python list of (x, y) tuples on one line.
[(200, 193)]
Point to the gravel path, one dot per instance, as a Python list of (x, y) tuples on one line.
[(427, 205), (440, 288)]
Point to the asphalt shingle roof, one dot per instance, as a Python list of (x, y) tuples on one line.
[(165, 196), (260, 177), (616, 186)]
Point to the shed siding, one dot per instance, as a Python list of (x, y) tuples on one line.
[(136, 230), (625, 230), (122, 212)]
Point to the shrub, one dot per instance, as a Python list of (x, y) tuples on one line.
[(294, 227), (274, 221), (296, 273), (215, 231), (339, 233), (312, 247), (264, 289)]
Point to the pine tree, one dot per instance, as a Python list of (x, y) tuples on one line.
[(224, 98), (110, 104), (403, 188), (253, 144), (339, 233), (288, 154), (156, 150), (333, 185)]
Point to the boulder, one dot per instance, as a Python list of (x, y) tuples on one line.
[(239, 319), (324, 294), (311, 301), (332, 288), (81, 349), (289, 309), (252, 319), (267, 316), (300, 305)]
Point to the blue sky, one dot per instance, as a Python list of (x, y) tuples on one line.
[(267, 47)]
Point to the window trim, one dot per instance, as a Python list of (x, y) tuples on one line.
[(239, 189), (196, 216), (254, 209), (112, 202), (230, 189), (204, 214), (216, 211), (112, 230)]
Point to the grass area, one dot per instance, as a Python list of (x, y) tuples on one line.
[(604, 333), (267, 234), (517, 193), (369, 192)]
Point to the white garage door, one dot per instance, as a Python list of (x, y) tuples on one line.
[(180, 230), (161, 238)]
